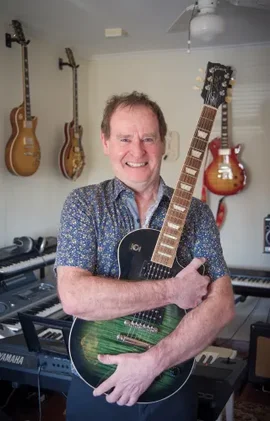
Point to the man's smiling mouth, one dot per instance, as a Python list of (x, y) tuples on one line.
[(136, 164)]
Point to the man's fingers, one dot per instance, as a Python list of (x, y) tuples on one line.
[(197, 262), (104, 387)]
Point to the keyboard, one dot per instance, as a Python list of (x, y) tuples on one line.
[(251, 282)]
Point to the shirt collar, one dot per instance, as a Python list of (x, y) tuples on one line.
[(118, 187)]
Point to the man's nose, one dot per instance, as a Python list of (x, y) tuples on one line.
[(137, 148)]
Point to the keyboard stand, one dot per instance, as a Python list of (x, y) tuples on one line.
[(30, 333)]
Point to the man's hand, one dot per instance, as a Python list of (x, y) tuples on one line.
[(133, 375), (189, 286)]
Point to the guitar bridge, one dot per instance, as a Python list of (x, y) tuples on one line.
[(139, 325)]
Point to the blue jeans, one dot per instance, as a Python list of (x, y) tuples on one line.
[(83, 406)]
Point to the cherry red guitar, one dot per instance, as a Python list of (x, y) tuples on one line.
[(225, 175)]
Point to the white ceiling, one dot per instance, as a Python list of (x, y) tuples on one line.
[(80, 24)]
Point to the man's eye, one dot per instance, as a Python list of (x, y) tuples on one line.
[(148, 139), (124, 139)]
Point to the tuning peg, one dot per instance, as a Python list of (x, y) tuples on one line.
[(201, 70), (228, 99), (196, 88), (232, 81), (199, 79)]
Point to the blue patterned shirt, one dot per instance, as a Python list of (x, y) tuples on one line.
[(95, 218)]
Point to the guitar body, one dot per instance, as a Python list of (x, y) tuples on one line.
[(225, 175), (134, 333), (22, 153), (71, 157)]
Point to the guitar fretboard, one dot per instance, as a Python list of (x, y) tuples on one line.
[(169, 237), (26, 84), (224, 126), (75, 100)]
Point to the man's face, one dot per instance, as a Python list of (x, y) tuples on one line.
[(134, 146)]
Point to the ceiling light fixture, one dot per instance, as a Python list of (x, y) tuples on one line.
[(206, 24)]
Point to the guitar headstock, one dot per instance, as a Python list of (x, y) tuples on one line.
[(18, 31), (71, 59), (217, 81)]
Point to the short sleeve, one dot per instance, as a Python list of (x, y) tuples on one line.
[(207, 243), (76, 242)]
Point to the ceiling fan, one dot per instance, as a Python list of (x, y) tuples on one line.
[(204, 19)]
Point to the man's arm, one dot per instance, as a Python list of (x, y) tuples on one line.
[(198, 328), (98, 298)]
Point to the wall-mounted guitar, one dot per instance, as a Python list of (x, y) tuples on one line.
[(22, 154), (71, 157), (155, 258), (225, 175)]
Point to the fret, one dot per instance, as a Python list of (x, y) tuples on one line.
[(193, 163), (183, 195), (199, 144), (196, 153), (190, 171), (175, 217), (178, 207), (26, 84), (188, 180), (171, 237)]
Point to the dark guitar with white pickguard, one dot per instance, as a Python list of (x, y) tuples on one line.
[(225, 175), (22, 153), (71, 157), (147, 254)]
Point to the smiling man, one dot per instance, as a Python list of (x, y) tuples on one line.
[(93, 222)]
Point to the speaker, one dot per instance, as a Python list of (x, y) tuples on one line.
[(267, 234), (259, 351)]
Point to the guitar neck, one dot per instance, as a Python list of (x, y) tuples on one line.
[(26, 84), (75, 100), (169, 237)]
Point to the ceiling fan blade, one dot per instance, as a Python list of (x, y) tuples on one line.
[(182, 21), (255, 4)]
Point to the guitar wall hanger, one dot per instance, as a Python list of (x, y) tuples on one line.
[(61, 64), (12, 38)]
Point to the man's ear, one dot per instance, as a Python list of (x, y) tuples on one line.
[(105, 143)]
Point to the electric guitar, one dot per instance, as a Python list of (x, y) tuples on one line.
[(22, 153), (225, 175), (71, 157), (154, 257)]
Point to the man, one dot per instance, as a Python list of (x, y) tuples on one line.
[(93, 222)]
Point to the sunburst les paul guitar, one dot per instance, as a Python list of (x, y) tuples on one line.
[(225, 175), (22, 153), (147, 254), (71, 157)]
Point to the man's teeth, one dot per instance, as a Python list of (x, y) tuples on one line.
[(136, 164)]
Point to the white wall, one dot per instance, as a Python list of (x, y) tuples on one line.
[(31, 205), (168, 78)]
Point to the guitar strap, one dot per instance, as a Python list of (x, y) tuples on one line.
[(222, 209)]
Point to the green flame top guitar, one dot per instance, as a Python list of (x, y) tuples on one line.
[(156, 259)]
